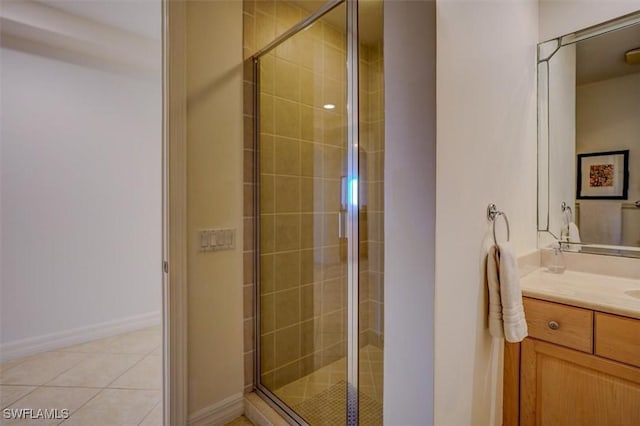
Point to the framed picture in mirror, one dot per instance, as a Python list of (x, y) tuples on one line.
[(603, 175)]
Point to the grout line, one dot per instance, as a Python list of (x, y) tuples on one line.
[(150, 411)]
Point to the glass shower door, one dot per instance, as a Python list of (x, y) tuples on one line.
[(319, 258), (304, 194)]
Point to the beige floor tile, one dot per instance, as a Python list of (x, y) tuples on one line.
[(115, 407), (52, 398), (240, 421), (5, 365), (10, 394), (147, 374), (137, 342), (96, 370), (39, 369), (157, 351), (154, 418)]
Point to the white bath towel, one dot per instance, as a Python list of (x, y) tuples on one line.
[(495, 304), (506, 314), (574, 233), (601, 222)]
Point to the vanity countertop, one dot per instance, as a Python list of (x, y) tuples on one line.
[(604, 293)]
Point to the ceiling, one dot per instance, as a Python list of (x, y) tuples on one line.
[(602, 57), (142, 17)]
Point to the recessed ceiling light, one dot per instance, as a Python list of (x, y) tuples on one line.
[(329, 106)]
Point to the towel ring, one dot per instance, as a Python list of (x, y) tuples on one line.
[(492, 215), (564, 207)]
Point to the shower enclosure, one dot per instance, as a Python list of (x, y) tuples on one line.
[(319, 209)]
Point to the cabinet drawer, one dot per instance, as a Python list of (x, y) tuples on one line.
[(618, 338), (560, 324)]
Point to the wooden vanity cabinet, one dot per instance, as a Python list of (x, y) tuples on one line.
[(564, 376)]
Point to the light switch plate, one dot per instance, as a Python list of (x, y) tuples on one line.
[(216, 239)]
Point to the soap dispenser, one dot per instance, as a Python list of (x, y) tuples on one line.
[(557, 264)]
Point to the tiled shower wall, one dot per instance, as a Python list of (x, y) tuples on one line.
[(372, 195), (302, 271)]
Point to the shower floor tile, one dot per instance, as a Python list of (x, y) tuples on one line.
[(322, 392)]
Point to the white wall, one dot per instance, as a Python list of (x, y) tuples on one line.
[(80, 190), (560, 17), (607, 120), (409, 227), (486, 153)]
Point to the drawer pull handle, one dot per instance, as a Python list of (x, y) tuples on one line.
[(553, 325)]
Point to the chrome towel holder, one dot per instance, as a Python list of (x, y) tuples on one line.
[(492, 215), (564, 207)]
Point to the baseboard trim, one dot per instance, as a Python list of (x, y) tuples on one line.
[(61, 339), (219, 413)]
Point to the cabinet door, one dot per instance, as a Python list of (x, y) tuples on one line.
[(563, 387)]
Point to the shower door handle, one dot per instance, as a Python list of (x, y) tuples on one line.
[(342, 224)]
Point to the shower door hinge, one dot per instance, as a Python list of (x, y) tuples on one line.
[(165, 267)]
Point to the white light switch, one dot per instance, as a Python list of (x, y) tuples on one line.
[(216, 239)]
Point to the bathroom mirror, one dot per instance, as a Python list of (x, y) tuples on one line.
[(589, 139)]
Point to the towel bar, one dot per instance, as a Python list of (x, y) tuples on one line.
[(492, 215)]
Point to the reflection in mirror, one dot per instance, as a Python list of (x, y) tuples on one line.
[(589, 140)]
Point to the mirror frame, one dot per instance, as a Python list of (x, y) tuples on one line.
[(545, 51)]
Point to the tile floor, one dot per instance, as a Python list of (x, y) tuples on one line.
[(111, 381), (312, 385)]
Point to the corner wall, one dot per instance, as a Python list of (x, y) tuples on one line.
[(214, 200), (410, 210), (486, 153)]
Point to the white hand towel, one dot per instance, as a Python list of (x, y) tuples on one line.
[(574, 233), (495, 304), (514, 323)]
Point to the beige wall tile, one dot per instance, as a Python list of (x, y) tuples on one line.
[(287, 308), (287, 156), (310, 153), (287, 270), (267, 115), (267, 154), (248, 333), (287, 78), (332, 195), (248, 205), (287, 232), (267, 73), (267, 193), (287, 194), (248, 292), (333, 297), (267, 354), (267, 313), (267, 271), (266, 6), (287, 345), (287, 119), (267, 236), (310, 266)]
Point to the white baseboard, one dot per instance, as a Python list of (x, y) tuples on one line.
[(61, 339), (219, 413)]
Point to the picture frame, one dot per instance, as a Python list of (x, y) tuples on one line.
[(603, 175)]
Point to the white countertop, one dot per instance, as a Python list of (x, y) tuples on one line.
[(602, 293)]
